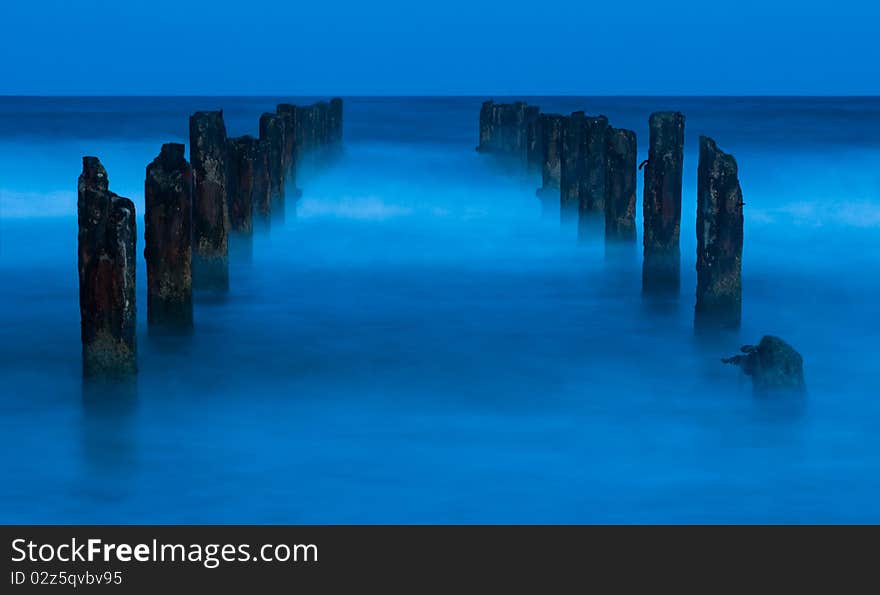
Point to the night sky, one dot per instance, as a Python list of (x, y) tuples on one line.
[(387, 47)]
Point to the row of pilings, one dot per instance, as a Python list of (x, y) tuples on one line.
[(191, 208), (589, 168)]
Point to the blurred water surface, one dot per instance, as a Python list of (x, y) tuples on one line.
[(415, 343)]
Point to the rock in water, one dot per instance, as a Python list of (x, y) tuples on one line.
[(662, 203), (106, 250), (242, 153), (262, 197), (592, 187), (719, 239), (620, 202), (208, 156), (168, 238), (552, 126), (774, 366), (570, 168), (272, 133)]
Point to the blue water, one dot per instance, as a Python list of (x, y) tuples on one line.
[(415, 343)]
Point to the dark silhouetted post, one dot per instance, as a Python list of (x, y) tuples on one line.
[(591, 188), (620, 180), (552, 127), (488, 127), (272, 133), (262, 187), (336, 124), (168, 238), (106, 259), (719, 239), (514, 135), (662, 203), (570, 171), (208, 156), (512, 132), (287, 113), (242, 152), (306, 133), (534, 138), (322, 132)]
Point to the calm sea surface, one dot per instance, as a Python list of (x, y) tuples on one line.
[(414, 343)]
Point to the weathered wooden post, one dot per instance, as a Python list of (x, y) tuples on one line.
[(511, 132), (570, 170), (272, 133), (208, 156), (336, 125), (719, 239), (488, 125), (514, 133), (107, 241), (305, 131), (620, 202), (592, 186), (534, 138), (262, 186), (287, 113), (242, 154), (552, 127), (662, 204), (168, 198), (322, 109)]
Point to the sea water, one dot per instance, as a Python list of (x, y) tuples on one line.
[(415, 341)]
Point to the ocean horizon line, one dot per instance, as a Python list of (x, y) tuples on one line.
[(436, 95)]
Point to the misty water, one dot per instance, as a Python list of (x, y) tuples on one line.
[(416, 342)]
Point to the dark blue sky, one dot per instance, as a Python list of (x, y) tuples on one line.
[(450, 47)]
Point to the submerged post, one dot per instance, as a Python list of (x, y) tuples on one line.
[(106, 260), (168, 238), (719, 239), (662, 203), (552, 127), (620, 201), (242, 153), (207, 148), (776, 368), (591, 185)]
